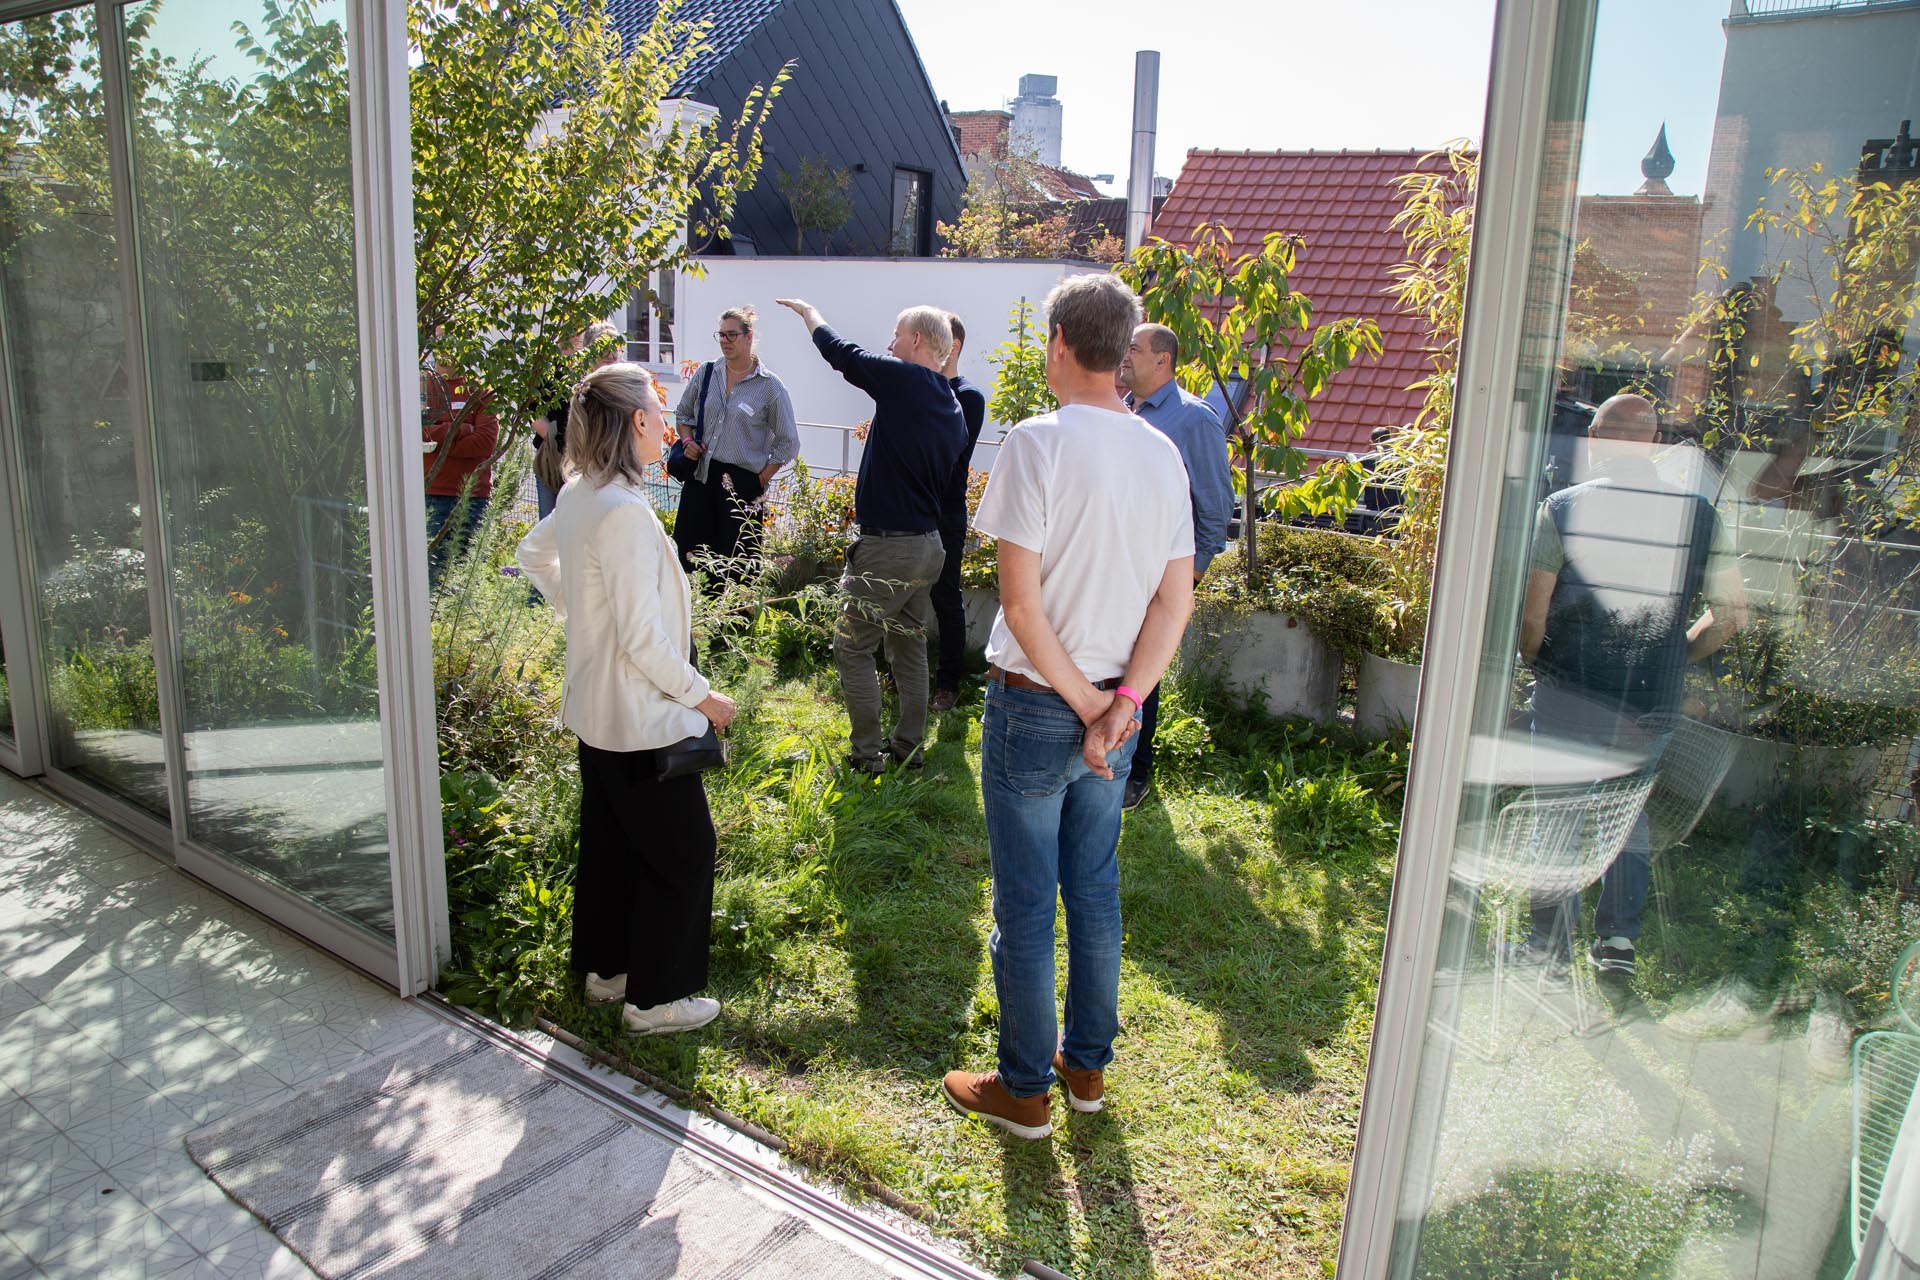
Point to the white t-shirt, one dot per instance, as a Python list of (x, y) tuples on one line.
[(1102, 497)]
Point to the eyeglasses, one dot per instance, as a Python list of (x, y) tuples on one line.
[(728, 335)]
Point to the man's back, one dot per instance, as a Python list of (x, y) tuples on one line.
[(1630, 553), (1102, 497)]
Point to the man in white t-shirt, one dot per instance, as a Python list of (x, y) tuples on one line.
[(1095, 530)]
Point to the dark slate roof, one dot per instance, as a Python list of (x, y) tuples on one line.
[(734, 22)]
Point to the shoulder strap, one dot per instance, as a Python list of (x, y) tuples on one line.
[(700, 414)]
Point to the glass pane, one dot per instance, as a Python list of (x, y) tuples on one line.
[(6, 698), (663, 294), (1687, 860), (68, 373), (244, 184), (638, 347), (909, 212)]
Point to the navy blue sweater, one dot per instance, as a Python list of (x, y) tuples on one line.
[(917, 437), (973, 410)]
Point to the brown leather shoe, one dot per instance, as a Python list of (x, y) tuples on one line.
[(983, 1095), (945, 700), (1086, 1090)]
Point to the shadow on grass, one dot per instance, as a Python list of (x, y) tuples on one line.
[(1194, 924)]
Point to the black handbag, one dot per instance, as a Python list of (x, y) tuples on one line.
[(690, 755), (679, 465)]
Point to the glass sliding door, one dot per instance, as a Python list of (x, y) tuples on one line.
[(72, 411), (1654, 1028), (243, 192)]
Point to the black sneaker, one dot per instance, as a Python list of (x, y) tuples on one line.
[(1612, 955), (874, 765), (1137, 788), (913, 758)]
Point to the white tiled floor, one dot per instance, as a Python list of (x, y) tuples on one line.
[(136, 1006)]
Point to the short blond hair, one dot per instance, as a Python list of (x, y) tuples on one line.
[(932, 324), (600, 443)]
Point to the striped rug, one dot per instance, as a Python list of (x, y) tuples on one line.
[(455, 1158)]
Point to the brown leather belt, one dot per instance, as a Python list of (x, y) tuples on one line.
[(1014, 680)]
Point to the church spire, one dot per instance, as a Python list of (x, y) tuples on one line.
[(1657, 167)]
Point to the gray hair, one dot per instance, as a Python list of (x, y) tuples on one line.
[(598, 332), (1096, 316), (600, 444), (1161, 341), (930, 323)]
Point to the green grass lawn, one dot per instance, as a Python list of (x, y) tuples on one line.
[(850, 927)]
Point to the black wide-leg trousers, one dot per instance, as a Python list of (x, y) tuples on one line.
[(643, 895)]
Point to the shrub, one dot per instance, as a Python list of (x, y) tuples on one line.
[(1335, 583)]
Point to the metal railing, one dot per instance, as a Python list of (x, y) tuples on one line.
[(1760, 10)]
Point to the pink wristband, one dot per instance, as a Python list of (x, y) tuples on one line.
[(1139, 703)]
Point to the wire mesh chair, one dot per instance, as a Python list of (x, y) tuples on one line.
[(1696, 761), (1886, 1072), (1550, 843)]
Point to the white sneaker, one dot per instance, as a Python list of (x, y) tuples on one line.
[(685, 1014), (606, 990)]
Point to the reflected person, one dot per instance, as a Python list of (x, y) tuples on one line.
[(1620, 562), (643, 895)]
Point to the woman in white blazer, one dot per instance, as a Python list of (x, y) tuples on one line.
[(643, 896)]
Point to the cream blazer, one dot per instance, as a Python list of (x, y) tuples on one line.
[(612, 573)]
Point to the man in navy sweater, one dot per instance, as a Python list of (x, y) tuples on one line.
[(948, 605), (917, 437)]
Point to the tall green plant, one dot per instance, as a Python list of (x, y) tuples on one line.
[(1238, 317), (817, 197), (529, 220), (1430, 283), (1020, 389)]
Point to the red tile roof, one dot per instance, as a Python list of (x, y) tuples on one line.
[(1343, 204)]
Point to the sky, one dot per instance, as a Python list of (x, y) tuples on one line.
[(1288, 74)]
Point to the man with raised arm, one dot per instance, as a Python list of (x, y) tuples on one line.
[(1095, 529), (916, 438)]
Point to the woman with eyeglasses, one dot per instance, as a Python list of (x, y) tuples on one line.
[(643, 895), (736, 420)]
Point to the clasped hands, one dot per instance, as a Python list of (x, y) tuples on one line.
[(1108, 730)]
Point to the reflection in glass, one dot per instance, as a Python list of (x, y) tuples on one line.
[(6, 698), (68, 372), (243, 178), (1688, 869)]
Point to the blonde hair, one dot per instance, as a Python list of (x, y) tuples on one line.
[(600, 443), (744, 314), (932, 324)]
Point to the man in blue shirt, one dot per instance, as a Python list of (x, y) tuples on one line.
[(917, 437), (1186, 420), (948, 605)]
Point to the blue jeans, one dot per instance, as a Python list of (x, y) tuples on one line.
[(1558, 713), (1053, 828)]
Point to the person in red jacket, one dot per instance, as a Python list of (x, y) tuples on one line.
[(459, 437)]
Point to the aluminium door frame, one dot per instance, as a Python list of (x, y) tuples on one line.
[(396, 500), (383, 236), (1488, 450)]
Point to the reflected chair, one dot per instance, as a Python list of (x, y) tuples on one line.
[(1696, 761), (1886, 1072), (1548, 844)]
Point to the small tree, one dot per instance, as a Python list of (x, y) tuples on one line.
[(1020, 389), (817, 197), (1000, 218), (529, 221), (1239, 318), (1430, 283)]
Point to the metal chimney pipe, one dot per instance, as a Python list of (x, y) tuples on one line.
[(1146, 115)]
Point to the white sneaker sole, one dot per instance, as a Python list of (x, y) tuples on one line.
[(666, 1029), (606, 995), (1031, 1132), (1082, 1105)]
